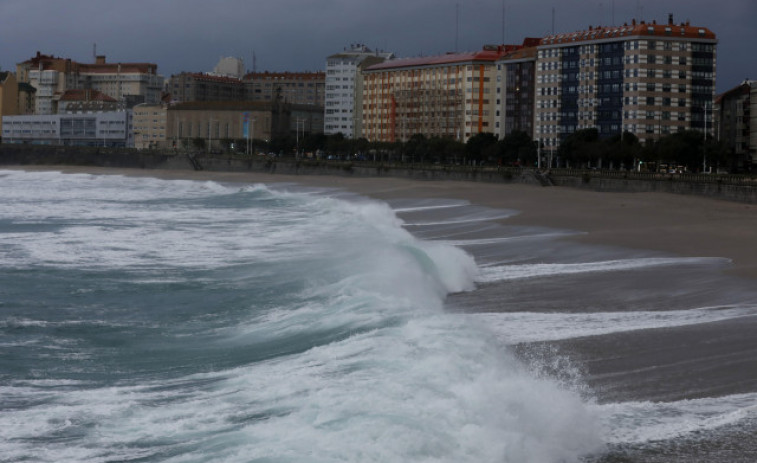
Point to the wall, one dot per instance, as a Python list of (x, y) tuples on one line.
[(708, 186)]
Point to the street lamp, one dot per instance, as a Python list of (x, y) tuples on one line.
[(704, 144), (297, 132), (210, 133)]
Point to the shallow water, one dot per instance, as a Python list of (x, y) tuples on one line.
[(154, 320)]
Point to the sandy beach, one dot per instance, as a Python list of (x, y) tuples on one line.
[(687, 226), (663, 336)]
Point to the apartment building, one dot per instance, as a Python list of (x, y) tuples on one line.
[(149, 126), (195, 86), (452, 95), (128, 83), (342, 101), (736, 121), (645, 78), (516, 73), (302, 88), (229, 66), (8, 96)]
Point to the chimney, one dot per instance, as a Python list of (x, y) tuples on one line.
[(100, 59), (670, 19)]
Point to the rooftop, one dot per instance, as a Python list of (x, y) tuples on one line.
[(86, 95), (684, 30)]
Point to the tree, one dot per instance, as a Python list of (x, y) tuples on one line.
[(517, 148), (481, 146)]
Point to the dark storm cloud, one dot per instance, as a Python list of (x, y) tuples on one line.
[(295, 35)]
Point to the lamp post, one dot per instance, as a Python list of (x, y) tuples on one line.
[(704, 144), (297, 135), (210, 134)]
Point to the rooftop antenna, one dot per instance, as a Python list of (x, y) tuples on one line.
[(457, 24), (94, 52), (254, 62), (553, 20), (613, 13), (503, 22)]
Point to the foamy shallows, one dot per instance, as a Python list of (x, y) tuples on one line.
[(156, 320), (520, 327)]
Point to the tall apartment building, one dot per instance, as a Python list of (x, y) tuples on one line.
[(645, 78), (342, 101), (516, 72), (452, 95), (736, 121), (305, 88), (128, 83), (194, 86)]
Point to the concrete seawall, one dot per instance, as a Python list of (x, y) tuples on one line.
[(730, 188)]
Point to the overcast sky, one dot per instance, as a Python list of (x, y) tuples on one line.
[(298, 35)]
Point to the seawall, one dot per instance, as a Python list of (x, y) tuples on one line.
[(729, 188)]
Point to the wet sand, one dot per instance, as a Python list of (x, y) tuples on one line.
[(689, 226), (712, 359)]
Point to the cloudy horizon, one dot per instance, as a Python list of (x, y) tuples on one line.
[(298, 35)]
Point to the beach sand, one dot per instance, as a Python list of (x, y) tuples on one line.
[(678, 363), (688, 226)]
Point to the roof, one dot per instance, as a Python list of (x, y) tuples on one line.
[(86, 95), (318, 75), (53, 62), (522, 54), (489, 53), (112, 68), (742, 89), (486, 55), (223, 106), (684, 30)]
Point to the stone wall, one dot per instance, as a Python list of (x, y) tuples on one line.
[(738, 189)]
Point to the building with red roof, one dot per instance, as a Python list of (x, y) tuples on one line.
[(648, 79), (451, 95), (51, 76)]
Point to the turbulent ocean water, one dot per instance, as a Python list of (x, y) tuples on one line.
[(155, 320)]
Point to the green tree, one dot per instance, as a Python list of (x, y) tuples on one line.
[(517, 148), (482, 146)]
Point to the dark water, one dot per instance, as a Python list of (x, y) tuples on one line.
[(151, 320)]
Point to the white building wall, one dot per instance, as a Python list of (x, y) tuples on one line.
[(98, 129), (341, 76)]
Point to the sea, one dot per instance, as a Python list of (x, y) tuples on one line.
[(163, 320)]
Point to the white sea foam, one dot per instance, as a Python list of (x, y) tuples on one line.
[(518, 327), (381, 372), (639, 422), (514, 272)]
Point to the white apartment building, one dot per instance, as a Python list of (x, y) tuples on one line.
[(107, 129), (342, 102)]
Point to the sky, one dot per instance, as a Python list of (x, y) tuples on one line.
[(298, 35)]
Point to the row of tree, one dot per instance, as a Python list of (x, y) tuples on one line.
[(584, 148)]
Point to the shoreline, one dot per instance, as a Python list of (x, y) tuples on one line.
[(687, 226)]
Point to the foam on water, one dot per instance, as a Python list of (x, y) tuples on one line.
[(192, 321), (519, 327), (513, 272), (639, 422)]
